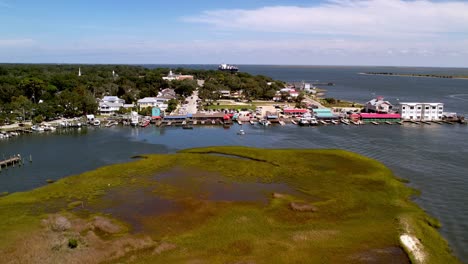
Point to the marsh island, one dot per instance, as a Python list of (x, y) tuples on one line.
[(224, 205)]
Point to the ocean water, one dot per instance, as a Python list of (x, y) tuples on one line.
[(434, 158)]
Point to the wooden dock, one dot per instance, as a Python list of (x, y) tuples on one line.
[(11, 161)]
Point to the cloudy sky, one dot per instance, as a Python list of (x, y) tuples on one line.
[(299, 32)]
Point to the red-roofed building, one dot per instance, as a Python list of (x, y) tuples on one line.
[(295, 111), (374, 117)]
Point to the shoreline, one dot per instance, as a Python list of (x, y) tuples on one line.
[(453, 77)]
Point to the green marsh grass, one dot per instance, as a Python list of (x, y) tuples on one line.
[(361, 206)]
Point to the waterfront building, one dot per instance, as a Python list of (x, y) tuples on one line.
[(173, 76), (375, 117), (160, 102), (378, 105), (324, 113), (109, 105), (421, 111), (295, 112)]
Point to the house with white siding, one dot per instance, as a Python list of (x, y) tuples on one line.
[(378, 105), (160, 102)]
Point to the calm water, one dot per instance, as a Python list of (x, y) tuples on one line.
[(434, 158)]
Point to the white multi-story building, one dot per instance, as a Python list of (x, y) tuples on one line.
[(160, 102), (109, 105), (421, 111)]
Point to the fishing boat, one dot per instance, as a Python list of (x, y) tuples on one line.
[(134, 118)]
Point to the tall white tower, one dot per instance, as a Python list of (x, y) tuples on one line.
[(79, 72)]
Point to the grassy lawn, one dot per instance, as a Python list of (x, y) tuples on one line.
[(222, 205)]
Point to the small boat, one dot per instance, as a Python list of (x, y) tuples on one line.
[(304, 122), (111, 123), (239, 122), (48, 127), (388, 123), (37, 128), (345, 121), (375, 123), (241, 132), (134, 119), (264, 122), (145, 123), (252, 122), (334, 122), (294, 122), (313, 121), (323, 122), (187, 126), (96, 122)]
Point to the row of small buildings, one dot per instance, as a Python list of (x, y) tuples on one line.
[(109, 105), (417, 111)]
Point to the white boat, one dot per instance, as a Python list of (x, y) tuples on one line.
[(241, 132), (111, 123), (264, 122), (334, 122), (313, 121), (345, 121), (48, 127), (304, 122), (134, 119), (96, 122), (37, 128)]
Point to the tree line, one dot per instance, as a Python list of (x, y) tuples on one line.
[(47, 91)]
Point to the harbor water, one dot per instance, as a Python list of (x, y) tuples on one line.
[(433, 157)]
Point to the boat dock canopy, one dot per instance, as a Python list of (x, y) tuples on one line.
[(324, 113), (175, 117)]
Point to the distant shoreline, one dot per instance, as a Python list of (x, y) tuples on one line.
[(416, 75)]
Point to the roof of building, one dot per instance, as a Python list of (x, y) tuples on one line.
[(175, 117), (378, 101), (295, 110), (322, 110), (111, 98), (110, 104), (208, 115), (413, 103), (372, 115)]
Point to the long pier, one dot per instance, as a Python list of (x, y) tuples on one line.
[(11, 161)]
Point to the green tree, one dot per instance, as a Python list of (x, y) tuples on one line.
[(172, 105), (33, 88)]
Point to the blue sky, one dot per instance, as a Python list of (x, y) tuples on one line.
[(327, 32)]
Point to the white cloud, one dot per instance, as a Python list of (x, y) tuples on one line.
[(369, 18)]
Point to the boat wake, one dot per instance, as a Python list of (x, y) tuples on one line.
[(463, 97)]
